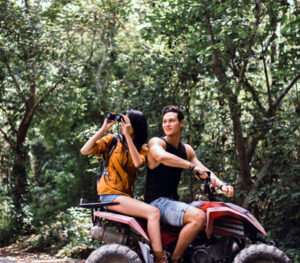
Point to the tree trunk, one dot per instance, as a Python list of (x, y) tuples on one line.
[(244, 181), (19, 186), (19, 174)]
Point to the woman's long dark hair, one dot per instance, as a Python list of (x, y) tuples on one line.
[(140, 127)]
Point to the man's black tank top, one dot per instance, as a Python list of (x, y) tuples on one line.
[(163, 180)]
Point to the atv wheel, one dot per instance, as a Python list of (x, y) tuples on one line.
[(261, 253), (113, 253)]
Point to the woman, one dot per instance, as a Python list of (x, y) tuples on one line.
[(117, 185)]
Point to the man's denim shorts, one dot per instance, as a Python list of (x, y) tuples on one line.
[(171, 212), (108, 198)]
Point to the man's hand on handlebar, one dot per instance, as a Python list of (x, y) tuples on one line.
[(228, 190), (199, 173)]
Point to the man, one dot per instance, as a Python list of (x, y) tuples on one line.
[(167, 157)]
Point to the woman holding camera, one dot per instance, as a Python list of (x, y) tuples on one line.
[(117, 183)]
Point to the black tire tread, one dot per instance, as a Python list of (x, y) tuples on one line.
[(112, 249), (256, 251)]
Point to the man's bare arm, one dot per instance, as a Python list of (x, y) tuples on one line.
[(160, 155), (193, 158)]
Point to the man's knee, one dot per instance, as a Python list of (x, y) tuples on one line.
[(195, 216)]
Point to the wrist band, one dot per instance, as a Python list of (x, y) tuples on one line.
[(221, 186), (192, 166)]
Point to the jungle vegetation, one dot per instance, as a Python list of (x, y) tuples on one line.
[(232, 66)]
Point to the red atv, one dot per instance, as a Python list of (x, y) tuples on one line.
[(231, 234)]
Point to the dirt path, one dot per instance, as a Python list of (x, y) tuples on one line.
[(14, 254), (33, 259)]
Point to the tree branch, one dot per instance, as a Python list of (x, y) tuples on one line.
[(267, 81), (283, 93), (270, 40), (254, 95), (27, 4), (251, 40), (6, 137), (235, 111), (33, 88), (92, 50), (10, 121), (49, 91), (14, 79), (259, 179), (99, 72), (245, 82)]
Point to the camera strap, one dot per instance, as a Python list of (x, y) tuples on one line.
[(112, 147), (104, 165)]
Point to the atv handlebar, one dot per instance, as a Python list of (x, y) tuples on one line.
[(209, 185), (207, 181)]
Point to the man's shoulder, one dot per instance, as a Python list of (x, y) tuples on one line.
[(187, 147), (156, 140)]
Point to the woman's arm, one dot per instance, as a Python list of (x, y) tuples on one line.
[(127, 129), (88, 147)]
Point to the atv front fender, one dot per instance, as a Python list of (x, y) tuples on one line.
[(230, 222)]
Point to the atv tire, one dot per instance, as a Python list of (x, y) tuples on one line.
[(261, 253), (113, 253)]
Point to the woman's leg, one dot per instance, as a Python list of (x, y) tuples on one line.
[(133, 207)]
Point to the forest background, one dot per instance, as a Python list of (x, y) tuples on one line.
[(232, 66)]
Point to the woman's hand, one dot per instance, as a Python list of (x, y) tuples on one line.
[(127, 129), (128, 132), (107, 124)]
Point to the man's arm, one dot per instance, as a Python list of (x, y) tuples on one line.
[(158, 154), (202, 169)]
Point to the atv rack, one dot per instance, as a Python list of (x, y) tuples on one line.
[(95, 207)]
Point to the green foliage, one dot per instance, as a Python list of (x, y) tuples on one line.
[(116, 55), (66, 235), (5, 220)]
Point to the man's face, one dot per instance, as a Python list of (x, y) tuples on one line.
[(171, 124)]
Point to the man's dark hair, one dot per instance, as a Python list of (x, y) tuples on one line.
[(173, 109)]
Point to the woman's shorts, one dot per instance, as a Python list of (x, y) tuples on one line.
[(108, 198), (172, 212)]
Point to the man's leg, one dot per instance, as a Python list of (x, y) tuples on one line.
[(177, 213), (193, 221)]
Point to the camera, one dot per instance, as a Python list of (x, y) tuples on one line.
[(113, 116)]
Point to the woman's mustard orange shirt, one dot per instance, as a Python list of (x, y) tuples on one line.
[(121, 171)]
